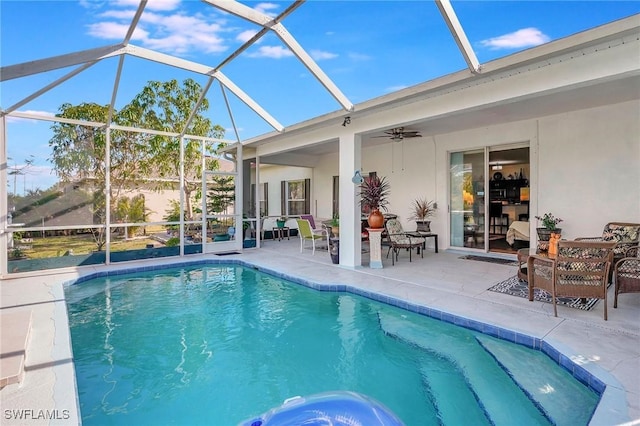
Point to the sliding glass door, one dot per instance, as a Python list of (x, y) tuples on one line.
[(467, 198)]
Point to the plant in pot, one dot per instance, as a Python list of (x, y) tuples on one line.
[(549, 226), (421, 209), (281, 221), (373, 197), (334, 223)]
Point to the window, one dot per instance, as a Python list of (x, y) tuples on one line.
[(295, 197), (264, 205)]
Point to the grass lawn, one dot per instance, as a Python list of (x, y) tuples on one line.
[(78, 244)]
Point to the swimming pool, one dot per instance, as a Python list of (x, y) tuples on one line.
[(217, 344)]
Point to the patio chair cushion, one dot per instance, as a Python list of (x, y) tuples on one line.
[(624, 234), (309, 217)]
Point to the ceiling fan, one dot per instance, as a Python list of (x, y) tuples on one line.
[(399, 133)]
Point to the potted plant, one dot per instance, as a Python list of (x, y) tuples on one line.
[(421, 209), (549, 226), (281, 221), (334, 223), (373, 197)]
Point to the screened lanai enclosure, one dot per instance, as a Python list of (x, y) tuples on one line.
[(113, 177), (127, 139)]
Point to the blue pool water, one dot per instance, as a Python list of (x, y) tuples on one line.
[(220, 344)]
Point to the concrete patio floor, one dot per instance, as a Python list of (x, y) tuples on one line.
[(610, 350)]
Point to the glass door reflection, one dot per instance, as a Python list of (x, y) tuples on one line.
[(467, 198)]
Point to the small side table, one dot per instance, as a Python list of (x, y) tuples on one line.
[(426, 235), (281, 232)]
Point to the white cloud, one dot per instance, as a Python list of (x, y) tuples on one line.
[(119, 14), (358, 56), (175, 33), (11, 119), (266, 8), (275, 52), (113, 30), (526, 37), (395, 88), (151, 4), (245, 36), (320, 55)]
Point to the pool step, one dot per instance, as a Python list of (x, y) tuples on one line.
[(15, 328), (450, 394), (485, 378), (551, 388)]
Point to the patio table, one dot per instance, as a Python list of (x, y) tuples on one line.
[(425, 235)]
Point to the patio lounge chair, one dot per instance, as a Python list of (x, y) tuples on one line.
[(305, 232), (398, 239), (580, 269), (626, 273)]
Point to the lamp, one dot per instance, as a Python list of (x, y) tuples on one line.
[(357, 178), (347, 120), (497, 166)]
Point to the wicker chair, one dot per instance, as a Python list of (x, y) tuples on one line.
[(398, 239), (626, 273), (624, 234), (581, 269)]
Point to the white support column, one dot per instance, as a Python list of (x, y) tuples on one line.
[(239, 204), (350, 220), (4, 208), (257, 200)]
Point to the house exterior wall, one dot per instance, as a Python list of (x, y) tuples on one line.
[(589, 168), (585, 168), (273, 175)]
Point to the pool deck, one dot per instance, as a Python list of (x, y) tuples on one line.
[(610, 350)]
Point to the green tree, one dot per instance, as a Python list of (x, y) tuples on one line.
[(131, 210), (168, 106), (79, 151), (78, 155), (223, 194)]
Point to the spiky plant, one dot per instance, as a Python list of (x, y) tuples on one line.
[(374, 192), (421, 209)]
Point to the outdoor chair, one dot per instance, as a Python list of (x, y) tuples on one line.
[(625, 235), (580, 269), (312, 222), (305, 232), (398, 239), (626, 273)]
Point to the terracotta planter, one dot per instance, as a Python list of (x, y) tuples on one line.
[(375, 219)]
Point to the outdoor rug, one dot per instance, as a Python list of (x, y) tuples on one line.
[(515, 287), (491, 260)]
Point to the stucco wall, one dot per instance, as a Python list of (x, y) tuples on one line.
[(585, 168), (273, 175), (589, 167)]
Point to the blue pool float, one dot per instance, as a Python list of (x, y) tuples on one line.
[(339, 408)]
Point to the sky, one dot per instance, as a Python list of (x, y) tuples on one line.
[(367, 48)]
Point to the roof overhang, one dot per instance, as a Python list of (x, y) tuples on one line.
[(597, 67)]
